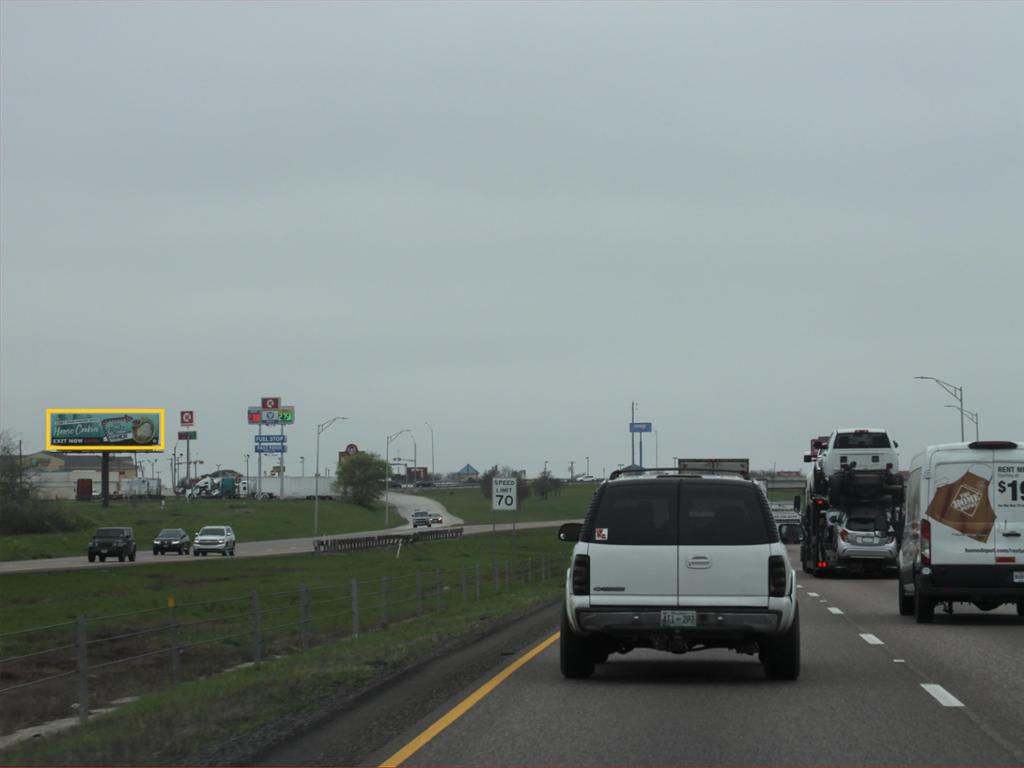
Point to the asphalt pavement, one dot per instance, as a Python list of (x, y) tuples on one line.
[(876, 688)]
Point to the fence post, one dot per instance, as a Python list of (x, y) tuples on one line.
[(355, 608), (304, 616), (83, 670), (529, 570), (508, 575), (543, 568), (437, 587), (419, 593), (465, 584), (384, 600), (257, 635), (497, 578), (172, 610), (477, 569)]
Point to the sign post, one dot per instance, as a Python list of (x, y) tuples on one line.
[(503, 499)]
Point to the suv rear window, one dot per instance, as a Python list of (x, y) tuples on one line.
[(637, 513), (690, 513), (716, 514), (862, 440)]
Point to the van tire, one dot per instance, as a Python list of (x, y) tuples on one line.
[(780, 655), (906, 601), (924, 608), (1020, 607), (575, 655)]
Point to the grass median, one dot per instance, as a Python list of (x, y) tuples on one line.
[(252, 521), (209, 710)]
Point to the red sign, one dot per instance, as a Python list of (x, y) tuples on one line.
[(254, 415), (187, 418), (270, 403)]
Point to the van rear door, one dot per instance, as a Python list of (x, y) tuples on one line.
[(960, 513), (1008, 505)]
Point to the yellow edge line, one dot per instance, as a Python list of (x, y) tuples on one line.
[(463, 706)]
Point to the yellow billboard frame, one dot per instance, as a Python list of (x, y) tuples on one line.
[(107, 448)]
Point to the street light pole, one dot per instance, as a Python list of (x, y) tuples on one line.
[(972, 416), (588, 466), (246, 474), (302, 465), (431, 450), (320, 429), (956, 392), (387, 461)]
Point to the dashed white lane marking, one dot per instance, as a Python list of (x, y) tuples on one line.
[(871, 639), (899, 661), (944, 697), (823, 600), (813, 594), (833, 609), (799, 586)]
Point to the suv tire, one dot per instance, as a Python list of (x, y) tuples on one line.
[(906, 601), (1020, 607), (120, 556), (232, 551), (131, 556), (92, 557), (575, 656), (780, 655)]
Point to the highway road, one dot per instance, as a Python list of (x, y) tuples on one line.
[(876, 688)]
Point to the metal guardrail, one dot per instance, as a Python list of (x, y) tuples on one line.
[(297, 623), (349, 544)]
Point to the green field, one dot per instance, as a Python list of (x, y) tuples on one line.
[(252, 521), (123, 604), (468, 503)]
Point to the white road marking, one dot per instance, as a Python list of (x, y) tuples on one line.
[(898, 661), (813, 594), (871, 639), (944, 697), (799, 586), (833, 609), (823, 600)]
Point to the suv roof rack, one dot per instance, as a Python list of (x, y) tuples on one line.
[(674, 472)]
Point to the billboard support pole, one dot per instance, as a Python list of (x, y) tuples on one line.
[(188, 469), (105, 478)]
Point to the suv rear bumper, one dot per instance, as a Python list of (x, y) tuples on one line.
[(710, 622)]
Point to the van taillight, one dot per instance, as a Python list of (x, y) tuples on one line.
[(581, 575), (926, 543), (844, 535), (776, 576)]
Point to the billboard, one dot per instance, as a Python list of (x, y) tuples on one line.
[(104, 429)]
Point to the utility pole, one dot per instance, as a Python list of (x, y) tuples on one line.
[(431, 449), (632, 434)]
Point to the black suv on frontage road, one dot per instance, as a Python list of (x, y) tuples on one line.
[(110, 542)]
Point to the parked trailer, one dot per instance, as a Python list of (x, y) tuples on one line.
[(141, 487), (294, 488)]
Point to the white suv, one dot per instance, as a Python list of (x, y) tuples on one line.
[(214, 538), (679, 563)]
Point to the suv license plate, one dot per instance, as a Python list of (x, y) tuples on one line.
[(679, 618), (1018, 577)]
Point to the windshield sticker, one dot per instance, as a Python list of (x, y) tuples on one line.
[(963, 505), (601, 534)]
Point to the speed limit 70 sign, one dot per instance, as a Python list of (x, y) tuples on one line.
[(503, 494)]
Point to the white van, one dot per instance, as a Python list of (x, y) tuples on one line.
[(963, 535)]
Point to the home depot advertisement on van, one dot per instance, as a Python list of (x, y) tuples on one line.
[(983, 498)]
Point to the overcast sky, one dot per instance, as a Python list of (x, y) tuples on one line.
[(758, 221)]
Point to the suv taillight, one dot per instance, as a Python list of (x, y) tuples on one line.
[(776, 576), (926, 543), (581, 575), (843, 534)]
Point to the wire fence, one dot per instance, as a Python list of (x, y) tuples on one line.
[(185, 641)]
